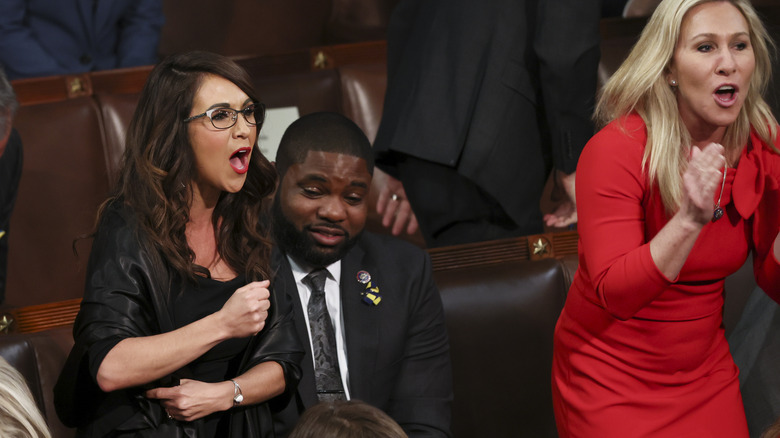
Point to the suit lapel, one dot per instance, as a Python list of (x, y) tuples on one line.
[(361, 329), (284, 280), (88, 17)]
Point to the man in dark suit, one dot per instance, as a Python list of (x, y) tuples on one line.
[(53, 37), (10, 170), (387, 342), (483, 99)]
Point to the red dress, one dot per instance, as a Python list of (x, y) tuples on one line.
[(637, 354)]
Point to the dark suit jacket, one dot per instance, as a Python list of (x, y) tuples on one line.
[(52, 37), (10, 174), (397, 351), (498, 89)]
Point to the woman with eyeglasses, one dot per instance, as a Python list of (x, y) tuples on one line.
[(178, 333)]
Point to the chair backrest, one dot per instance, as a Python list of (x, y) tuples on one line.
[(39, 357), (640, 8), (64, 180), (501, 319), (363, 89), (252, 27), (116, 111)]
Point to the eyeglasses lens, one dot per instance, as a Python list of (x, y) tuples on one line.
[(224, 118)]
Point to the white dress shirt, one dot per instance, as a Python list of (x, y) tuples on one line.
[(333, 301)]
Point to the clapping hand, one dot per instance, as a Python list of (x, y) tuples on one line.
[(702, 181)]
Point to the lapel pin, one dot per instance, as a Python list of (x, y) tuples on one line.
[(363, 277), (371, 294)]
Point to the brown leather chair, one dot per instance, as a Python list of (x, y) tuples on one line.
[(309, 91), (252, 27), (358, 20), (116, 111), (501, 319), (640, 8), (242, 27), (64, 180), (363, 92), (39, 357)]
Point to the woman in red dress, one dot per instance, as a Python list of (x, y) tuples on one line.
[(673, 194)]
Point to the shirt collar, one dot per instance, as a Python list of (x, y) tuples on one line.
[(300, 270)]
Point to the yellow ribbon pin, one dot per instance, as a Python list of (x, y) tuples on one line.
[(371, 294)]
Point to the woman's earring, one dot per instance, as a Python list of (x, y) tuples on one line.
[(673, 83)]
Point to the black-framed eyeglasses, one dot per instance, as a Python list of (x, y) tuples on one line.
[(224, 118)]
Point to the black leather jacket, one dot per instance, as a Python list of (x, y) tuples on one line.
[(127, 294)]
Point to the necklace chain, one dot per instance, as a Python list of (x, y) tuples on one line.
[(718, 213)]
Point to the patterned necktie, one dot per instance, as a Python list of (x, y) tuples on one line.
[(323, 339)]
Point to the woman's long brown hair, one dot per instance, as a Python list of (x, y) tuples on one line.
[(159, 166)]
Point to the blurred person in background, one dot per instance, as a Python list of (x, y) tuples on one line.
[(346, 419), (10, 171), (19, 415), (55, 37), (485, 100)]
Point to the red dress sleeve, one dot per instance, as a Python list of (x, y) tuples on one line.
[(766, 222), (612, 207)]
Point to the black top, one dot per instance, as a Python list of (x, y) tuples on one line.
[(221, 362)]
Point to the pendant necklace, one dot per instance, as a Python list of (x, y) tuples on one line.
[(718, 213)]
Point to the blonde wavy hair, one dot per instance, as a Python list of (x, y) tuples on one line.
[(19, 415), (640, 85)]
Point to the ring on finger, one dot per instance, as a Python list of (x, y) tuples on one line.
[(170, 417), (395, 197)]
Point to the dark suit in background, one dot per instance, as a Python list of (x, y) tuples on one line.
[(483, 97), (397, 351), (52, 37), (10, 174), (755, 346)]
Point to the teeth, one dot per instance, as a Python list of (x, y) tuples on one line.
[(726, 89)]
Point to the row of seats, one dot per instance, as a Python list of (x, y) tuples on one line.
[(501, 302), (73, 129), (500, 308), (73, 147)]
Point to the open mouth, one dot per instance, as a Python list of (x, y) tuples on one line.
[(239, 160), (726, 94)]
